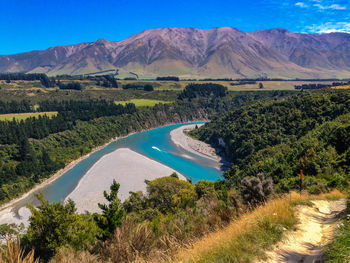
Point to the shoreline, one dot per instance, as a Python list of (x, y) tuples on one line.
[(53, 177), (11, 204), (203, 149), (132, 170)]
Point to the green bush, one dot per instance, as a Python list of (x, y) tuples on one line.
[(56, 225)]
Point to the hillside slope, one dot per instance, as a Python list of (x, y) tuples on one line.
[(188, 52), (279, 138)]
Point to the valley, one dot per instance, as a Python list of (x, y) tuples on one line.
[(186, 131)]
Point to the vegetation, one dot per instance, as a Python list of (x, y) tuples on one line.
[(112, 214), (24, 116), (278, 138), (243, 82), (33, 149), (45, 81), (320, 86), (192, 91), (136, 86), (53, 226), (15, 107), (106, 81), (267, 135), (256, 190), (70, 85), (247, 238), (168, 78), (339, 249), (13, 253), (171, 212), (142, 102)]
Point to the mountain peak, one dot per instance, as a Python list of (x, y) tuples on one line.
[(191, 52), (101, 41)]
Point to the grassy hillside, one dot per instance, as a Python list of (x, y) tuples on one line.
[(247, 238)]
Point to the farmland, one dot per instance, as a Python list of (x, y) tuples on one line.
[(23, 116)]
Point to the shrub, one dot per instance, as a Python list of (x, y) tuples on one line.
[(169, 193), (148, 87), (205, 188), (52, 226), (256, 190)]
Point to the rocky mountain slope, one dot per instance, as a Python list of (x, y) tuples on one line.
[(189, 52)]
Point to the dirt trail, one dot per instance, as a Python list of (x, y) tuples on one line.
[(315, 229)]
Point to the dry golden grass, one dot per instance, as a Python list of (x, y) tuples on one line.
[(12, 253), (248, 237), (71, 256), (236, 243), (342, 87)]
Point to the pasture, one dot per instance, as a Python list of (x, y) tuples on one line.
[(23, 116)]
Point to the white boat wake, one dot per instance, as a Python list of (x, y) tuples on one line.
[(156, 148)]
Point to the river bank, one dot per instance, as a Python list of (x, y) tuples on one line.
[(54, 177), (6, 210), (130, 169), (17, 207), (179, 138)]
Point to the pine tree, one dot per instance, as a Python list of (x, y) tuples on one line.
[(112, 213)]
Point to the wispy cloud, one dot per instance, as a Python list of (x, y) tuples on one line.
[(321, 5), (329, 28), (331, 7), (301, 4)]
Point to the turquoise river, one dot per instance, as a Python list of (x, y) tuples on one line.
[(155, 144)]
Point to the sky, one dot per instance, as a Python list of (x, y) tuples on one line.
[(27, 25)]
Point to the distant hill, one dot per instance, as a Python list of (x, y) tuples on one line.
[(190, 52)]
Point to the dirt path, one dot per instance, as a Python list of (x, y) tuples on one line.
[(316, 228)]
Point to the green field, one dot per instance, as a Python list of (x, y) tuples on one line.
[(23, 116), (142, 102), (34, 92)]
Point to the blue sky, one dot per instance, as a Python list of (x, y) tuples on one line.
[(38, 24)]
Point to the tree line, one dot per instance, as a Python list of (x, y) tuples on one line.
[(107, 81), (168, 78), (15, 107), (320, 86), (193, 90), (138, 86), (43, 78), (13, 132)]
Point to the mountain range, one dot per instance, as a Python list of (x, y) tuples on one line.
[(190, 52)]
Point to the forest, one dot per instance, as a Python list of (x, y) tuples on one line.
[(15, 107), (306, 132), (192, 91)]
